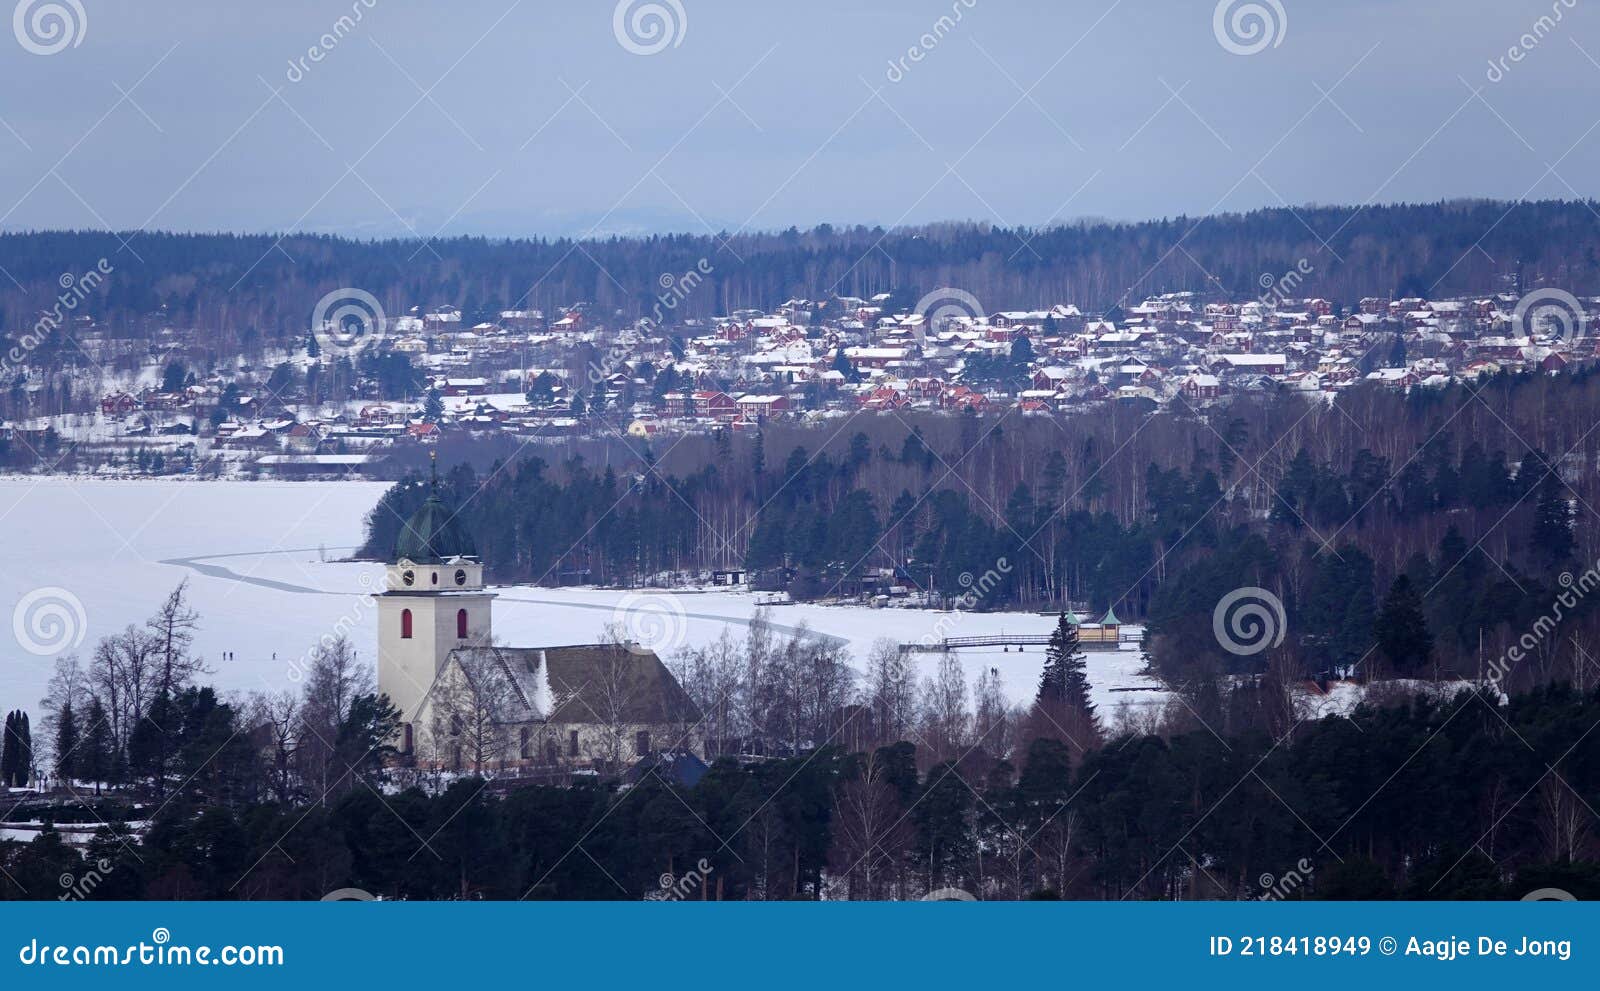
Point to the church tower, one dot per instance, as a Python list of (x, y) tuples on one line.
[(434, 602)]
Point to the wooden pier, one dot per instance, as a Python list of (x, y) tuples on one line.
[(1090, 638)]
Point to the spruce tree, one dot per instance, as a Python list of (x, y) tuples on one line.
[(842, 365), (1552, 520), (24, 769), (66, 742), (1065, 680), (1402, 630), (1022, 353), (8, 753), (94, 761)]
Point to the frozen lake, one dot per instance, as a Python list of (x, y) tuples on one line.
[(262, 560)]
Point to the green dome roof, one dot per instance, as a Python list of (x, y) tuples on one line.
[(433, 535)]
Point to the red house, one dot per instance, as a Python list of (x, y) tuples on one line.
[(118, 404), (757, 407), (717, 405)]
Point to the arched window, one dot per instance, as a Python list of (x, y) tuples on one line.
[(461, 624), (405, 624), (527, 743)]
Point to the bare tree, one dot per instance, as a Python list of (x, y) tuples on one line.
[(121, 676), (761, 683), (172, 630), (946, 718), (993, 723), (280, 713), (713, 677), (68, 685), (332, 684), (1564, 823), (473, 706), (609, 700), (825, 685), (869, 832), (891, 691), (169, 635)]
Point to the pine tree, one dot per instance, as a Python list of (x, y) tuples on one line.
[(1022, 353), (313, 347), (95, 758), (66, 742), (1402, 630), (8, 753), (1552, 520), (433, 407), (842, 365), (24, 770), (1065, 680)]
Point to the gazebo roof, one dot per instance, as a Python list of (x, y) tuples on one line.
[(1111, 618)]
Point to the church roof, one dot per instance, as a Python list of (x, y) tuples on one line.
[(433, 535), (586, 683)]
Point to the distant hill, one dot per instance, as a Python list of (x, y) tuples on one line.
[(269, 284)]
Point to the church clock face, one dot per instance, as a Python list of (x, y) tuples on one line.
[(461, 576), (409, 577)]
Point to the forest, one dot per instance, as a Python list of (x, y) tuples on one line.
[(1415, 534), (1460, 797), (247, 292), (833, 777)]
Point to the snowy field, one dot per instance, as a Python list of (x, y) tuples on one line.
[(263, 563)]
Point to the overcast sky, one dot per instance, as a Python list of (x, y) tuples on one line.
[(510, 118)]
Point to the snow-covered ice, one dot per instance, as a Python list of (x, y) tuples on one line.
[(263, 560)]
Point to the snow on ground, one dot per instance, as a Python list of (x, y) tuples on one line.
[(262, 560), (104, 544)]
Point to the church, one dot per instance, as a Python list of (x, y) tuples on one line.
[(470, 703)]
